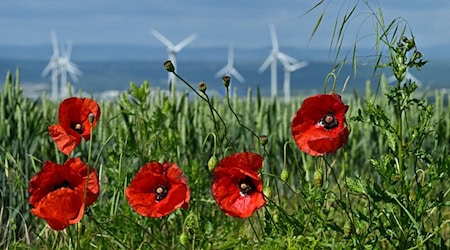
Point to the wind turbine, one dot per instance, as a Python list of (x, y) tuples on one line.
[(229, 68), (288, 68), (271, 60), (66, 66), (173, 49), (408, 76), (53, 65)]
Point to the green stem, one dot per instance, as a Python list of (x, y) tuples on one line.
[(236, 116)]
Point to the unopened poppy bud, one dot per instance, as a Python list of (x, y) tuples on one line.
[(284, 174), (183, 238), (168, 65), (226, 81), (91, 118), (263, 140), (80, 227), (267, 191), (347, 229), (212, 162), (275, 216), (412, 195), (202, 87), (318, 178)]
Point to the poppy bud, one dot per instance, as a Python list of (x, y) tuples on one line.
[(275, 216), (263, 140), (202, 87), (284, 174), (168, 65), (183, 238), (318, 178), (212, 162), (91, 118), (226, 81), (347, 229), (80, 227)]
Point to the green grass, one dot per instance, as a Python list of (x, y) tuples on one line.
[(146, 125)]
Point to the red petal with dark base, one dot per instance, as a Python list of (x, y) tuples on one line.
[(57, 192), (74, 111), (228, 175), (310, 135), (141, 194)]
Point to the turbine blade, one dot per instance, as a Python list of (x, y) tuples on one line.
[(54, 43), (47, 69), (283, 57), (185, 42), (162, 39), (266, 63), (223, 71), (273, 36), (297, 66), (236, 74), (68, 51), (230, 55)]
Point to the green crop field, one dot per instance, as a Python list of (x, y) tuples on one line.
[(385, 186)]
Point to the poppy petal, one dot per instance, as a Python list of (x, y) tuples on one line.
[(66, 143), (61, 208), (142, 196), (309, 131), (232, 172)]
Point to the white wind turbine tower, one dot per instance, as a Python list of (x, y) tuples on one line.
[(229, 68), (288, 68), (53, 65), (271, 60), (173, 49), (66, 66)]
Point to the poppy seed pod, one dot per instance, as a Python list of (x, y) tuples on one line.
[(168, 65), (226, 81), (263, 140), (202, 87)]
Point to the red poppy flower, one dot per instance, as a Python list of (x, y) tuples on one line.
[(158, 189), (58, 193), (236, 186), (319, 126), (73, 117)]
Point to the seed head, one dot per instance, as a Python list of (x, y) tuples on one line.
[(226, 81), (202, 87), (168, 65), (263, 140)]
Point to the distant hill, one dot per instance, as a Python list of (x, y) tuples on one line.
[(142, 52)]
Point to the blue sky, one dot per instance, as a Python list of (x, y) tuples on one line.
[(217, 23)]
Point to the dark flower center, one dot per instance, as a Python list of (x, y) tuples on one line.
[(161, 192), (246, 186), (78, 127), (329, 121), (63, 184)]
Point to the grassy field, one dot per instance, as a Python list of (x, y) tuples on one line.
[(353, 198), (385, 188)]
